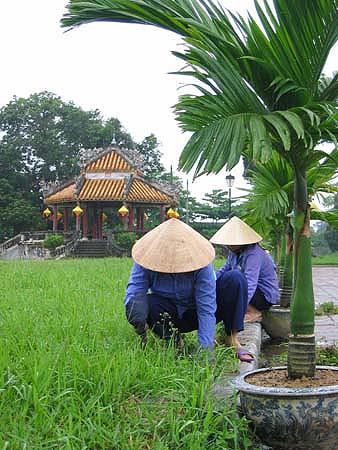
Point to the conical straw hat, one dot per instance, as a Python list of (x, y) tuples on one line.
[(173, 247), (235, 232)]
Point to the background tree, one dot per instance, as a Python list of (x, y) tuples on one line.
[(16, 213), (42, 136), (114, 133), (329, 233), (149, 149), (218, 203)]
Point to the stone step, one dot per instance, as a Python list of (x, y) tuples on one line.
[(91, 249)]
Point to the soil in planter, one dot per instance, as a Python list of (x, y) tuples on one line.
[(274, 353), (279, 379)]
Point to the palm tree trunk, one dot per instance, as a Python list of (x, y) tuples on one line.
[(301, 355), (281, 258), (287, 284)]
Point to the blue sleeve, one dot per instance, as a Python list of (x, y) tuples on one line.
[(205, 294), (225, 268), (139, 282), (251, 269)]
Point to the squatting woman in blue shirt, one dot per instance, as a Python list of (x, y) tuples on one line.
[(249, 258)]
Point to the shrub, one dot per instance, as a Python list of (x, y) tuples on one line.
[(327, 308), (52, 241), (126, 240), (327, 356)]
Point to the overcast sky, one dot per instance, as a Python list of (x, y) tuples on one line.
[(122, 70)]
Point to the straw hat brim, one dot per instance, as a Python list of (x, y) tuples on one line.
[(235, 232), (173, 247)]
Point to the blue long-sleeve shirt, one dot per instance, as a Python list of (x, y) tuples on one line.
[(258, 268), (188, 290)]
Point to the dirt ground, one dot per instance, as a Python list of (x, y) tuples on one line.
[(278, 378)]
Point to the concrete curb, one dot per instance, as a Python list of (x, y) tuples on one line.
[(250, 339)]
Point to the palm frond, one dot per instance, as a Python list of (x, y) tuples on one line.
[(330, 217), (328, 88), (258, 80)]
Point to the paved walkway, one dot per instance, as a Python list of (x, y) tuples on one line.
[(325, 285)]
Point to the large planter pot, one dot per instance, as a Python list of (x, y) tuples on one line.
[(291, 418), (276, 322), (285, 296)]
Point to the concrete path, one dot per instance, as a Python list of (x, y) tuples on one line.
[(325, 284)]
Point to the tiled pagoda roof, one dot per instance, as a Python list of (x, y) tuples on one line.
[(110, 177)]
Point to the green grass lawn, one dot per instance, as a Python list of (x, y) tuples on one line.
[(329, 259), (73, 375)]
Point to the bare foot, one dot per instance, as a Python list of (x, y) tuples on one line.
[(241, 353), (252, 315)]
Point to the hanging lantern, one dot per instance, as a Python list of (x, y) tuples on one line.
[(46, 212), (123, 211), (77, 211), (172, 214), (145, 216), (104, 217), (59, 215)]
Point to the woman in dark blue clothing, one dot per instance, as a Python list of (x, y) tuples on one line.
[(252, 261)]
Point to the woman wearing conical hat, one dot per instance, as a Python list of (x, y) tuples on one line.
[(249, 258), (172, 285)]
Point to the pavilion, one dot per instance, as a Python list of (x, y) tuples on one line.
[(110, 179)]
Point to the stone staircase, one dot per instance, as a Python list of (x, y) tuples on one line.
[(91, 249), (95, 249)]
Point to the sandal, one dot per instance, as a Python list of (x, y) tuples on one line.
[(241, 352)]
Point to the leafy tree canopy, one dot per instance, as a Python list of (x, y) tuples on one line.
[(151, 154)]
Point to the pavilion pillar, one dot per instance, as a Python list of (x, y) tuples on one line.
[(65, 220), (99, 224), (142, 219), (131, 218), (85, 223), (162, 213), (55, 218), (138, 219), (94, 233), (78, 222)]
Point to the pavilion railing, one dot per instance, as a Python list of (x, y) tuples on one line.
[(10, 243), (31, 237), (67, 248)]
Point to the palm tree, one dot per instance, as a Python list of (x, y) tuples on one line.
[(269, 206), (259, 89)]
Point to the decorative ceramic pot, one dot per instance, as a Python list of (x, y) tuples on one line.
[(291, 418), (276, 322), (285, 295)]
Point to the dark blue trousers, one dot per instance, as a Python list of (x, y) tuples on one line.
[(231, 298)]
